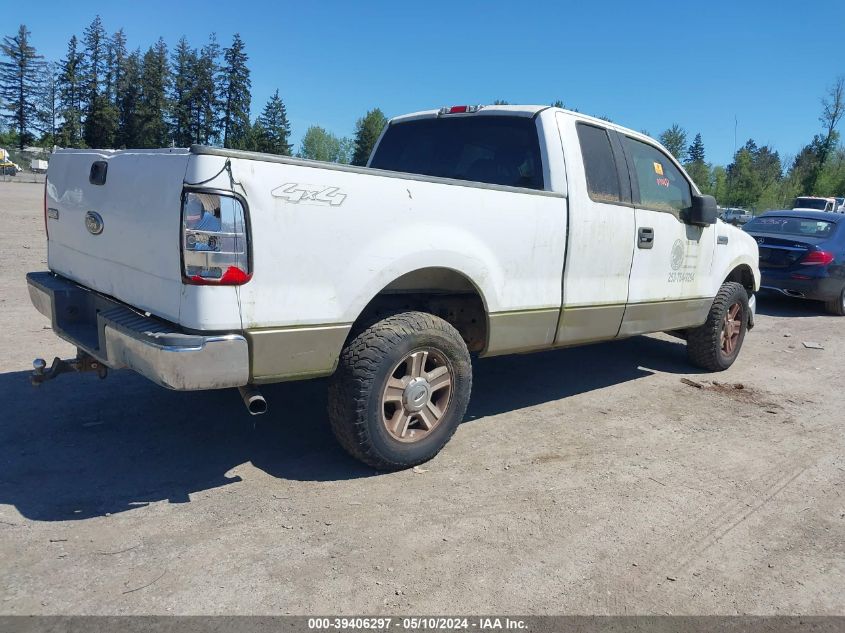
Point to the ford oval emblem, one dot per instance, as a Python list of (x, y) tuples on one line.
[(94, 222)]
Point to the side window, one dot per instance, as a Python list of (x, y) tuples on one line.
[(599, 164), (662, 185)]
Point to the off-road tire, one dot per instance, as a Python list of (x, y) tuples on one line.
[(704, 343), (355, 405), (836, 306)]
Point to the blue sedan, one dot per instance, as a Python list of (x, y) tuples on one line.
[(802, 254)]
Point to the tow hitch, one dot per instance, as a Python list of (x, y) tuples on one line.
[(82, 362)]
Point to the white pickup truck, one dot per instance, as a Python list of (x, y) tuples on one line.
[(473, 231)]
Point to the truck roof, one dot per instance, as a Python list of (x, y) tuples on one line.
[(526, 111)]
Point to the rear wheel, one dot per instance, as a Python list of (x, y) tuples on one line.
[(836, 306), (400, 390), (716, 344)]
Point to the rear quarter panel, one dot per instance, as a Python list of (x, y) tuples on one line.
[(319, 258)]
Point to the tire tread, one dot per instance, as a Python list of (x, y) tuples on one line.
[(703, 341), (836, 306), (359, 363)]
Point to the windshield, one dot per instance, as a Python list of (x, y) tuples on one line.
[(791, 226), (810, 203), (500, 150)]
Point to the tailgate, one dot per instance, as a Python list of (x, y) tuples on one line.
[(121, 237)]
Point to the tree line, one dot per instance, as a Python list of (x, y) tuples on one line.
[(102, 95), (759, 178)]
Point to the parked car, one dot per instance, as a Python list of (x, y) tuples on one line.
[(802, 254), (813, 203), (735, 216), (9, 169), (840, 205), (474, 230)]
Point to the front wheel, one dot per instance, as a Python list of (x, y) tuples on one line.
[(400, 390), (716, 344)]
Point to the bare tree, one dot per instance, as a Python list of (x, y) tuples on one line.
[(833, 108)]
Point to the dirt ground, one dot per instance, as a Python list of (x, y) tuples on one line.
[(584, 481)]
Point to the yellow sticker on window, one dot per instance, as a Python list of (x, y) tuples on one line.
[(658, 169)]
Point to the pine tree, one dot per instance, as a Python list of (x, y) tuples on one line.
[(116, 64), (205, 118), (695, 153), (153, 102), (100, 116), (255, 139), (19, 78), (128, 103), (235, 95), (48, 103), (697, 169), (367, 132), (70, 96), (183, 96), (274, 128)]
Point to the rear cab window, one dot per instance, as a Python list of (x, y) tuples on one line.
[(662, 186), (493, 149), (599, 164)]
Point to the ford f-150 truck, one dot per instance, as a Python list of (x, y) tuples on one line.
[(472, 231)]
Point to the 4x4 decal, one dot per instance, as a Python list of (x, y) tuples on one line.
[(309, 194)]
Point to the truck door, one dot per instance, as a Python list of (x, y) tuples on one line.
[(670, 285), (600, 241)]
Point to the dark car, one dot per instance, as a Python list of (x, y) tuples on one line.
[(802, 254)]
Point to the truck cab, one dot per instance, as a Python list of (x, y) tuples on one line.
[(814, 203)]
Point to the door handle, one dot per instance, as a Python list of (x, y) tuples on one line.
[(645, 237)]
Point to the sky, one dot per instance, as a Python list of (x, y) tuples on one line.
[(729, 69)]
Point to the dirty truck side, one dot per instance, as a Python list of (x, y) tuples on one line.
[(473, 231)]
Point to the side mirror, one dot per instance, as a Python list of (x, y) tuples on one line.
[(703, 211)]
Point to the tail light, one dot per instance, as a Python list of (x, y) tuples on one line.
[(215, 242), (817, 258)]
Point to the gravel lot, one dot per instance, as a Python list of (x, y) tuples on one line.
[(584, 481)]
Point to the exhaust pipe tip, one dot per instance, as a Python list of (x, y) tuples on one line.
[(253, 400), (257, 406)]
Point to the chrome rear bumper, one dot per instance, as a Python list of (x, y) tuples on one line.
[(120, 337)]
